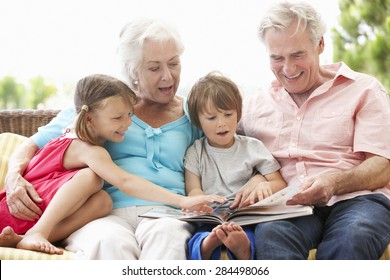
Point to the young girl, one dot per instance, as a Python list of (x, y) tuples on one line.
[(222, 162), (68, 172)]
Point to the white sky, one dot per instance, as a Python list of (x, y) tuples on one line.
[(64, 40)]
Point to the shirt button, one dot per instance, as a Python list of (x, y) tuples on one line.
[(301, 176), (298, 118)]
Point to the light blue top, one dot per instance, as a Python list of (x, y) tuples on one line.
[(155, 154), (55, 128)]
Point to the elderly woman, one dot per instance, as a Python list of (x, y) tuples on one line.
[(154, 148)]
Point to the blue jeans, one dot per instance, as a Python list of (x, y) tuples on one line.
[(355, 229)]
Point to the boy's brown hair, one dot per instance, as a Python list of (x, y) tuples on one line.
[(213, 89)]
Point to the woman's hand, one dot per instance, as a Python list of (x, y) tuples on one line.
[(22, 199)]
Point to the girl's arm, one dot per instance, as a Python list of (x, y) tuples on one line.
[(98, 159)]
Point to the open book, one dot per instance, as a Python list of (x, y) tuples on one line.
[(271, 208)]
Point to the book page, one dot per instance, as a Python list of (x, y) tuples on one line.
[(159, 212), (279, 197), (271, 208)]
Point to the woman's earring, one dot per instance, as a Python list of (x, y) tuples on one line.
[(135, 83)]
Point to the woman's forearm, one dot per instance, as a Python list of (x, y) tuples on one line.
[(18, 162)]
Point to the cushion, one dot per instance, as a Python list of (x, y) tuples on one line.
[(8, 143), (19, 254)]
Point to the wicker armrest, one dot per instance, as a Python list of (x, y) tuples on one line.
[(25, 121)]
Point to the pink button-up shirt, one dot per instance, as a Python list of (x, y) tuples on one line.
[(342, 119)]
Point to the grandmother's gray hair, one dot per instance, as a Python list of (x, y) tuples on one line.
[(283, 14), (132, 39)]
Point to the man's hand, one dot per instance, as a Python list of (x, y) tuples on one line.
[(316, 192), (371, 174), (22, 199)]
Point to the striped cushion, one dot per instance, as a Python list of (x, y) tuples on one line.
[(8, 143), (19, 254)]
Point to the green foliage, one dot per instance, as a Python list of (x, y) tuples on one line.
[(362, 38), (11, 93), (17, 95), (40, 91)]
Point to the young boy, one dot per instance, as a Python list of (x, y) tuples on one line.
[(222, 162)]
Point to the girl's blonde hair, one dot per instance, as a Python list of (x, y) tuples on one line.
[(213, 89), (91, 94)]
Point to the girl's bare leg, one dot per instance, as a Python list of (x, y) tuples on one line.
[(97, 206), (75, 196)]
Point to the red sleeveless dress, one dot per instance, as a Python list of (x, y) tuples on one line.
[(47, 174)]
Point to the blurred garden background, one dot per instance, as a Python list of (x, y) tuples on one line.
[(46, 46)]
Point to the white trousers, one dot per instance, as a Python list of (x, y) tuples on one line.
[(123, 235)]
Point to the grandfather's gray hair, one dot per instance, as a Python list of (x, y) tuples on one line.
[(283, 14)]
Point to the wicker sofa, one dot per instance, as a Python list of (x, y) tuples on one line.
[(25, 121), (15, 126)]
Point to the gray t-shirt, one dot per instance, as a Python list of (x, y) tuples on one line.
[(224, 171)]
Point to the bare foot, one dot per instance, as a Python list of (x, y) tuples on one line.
[(235, 239), (8, 238), (209, 244), (36, 242)]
